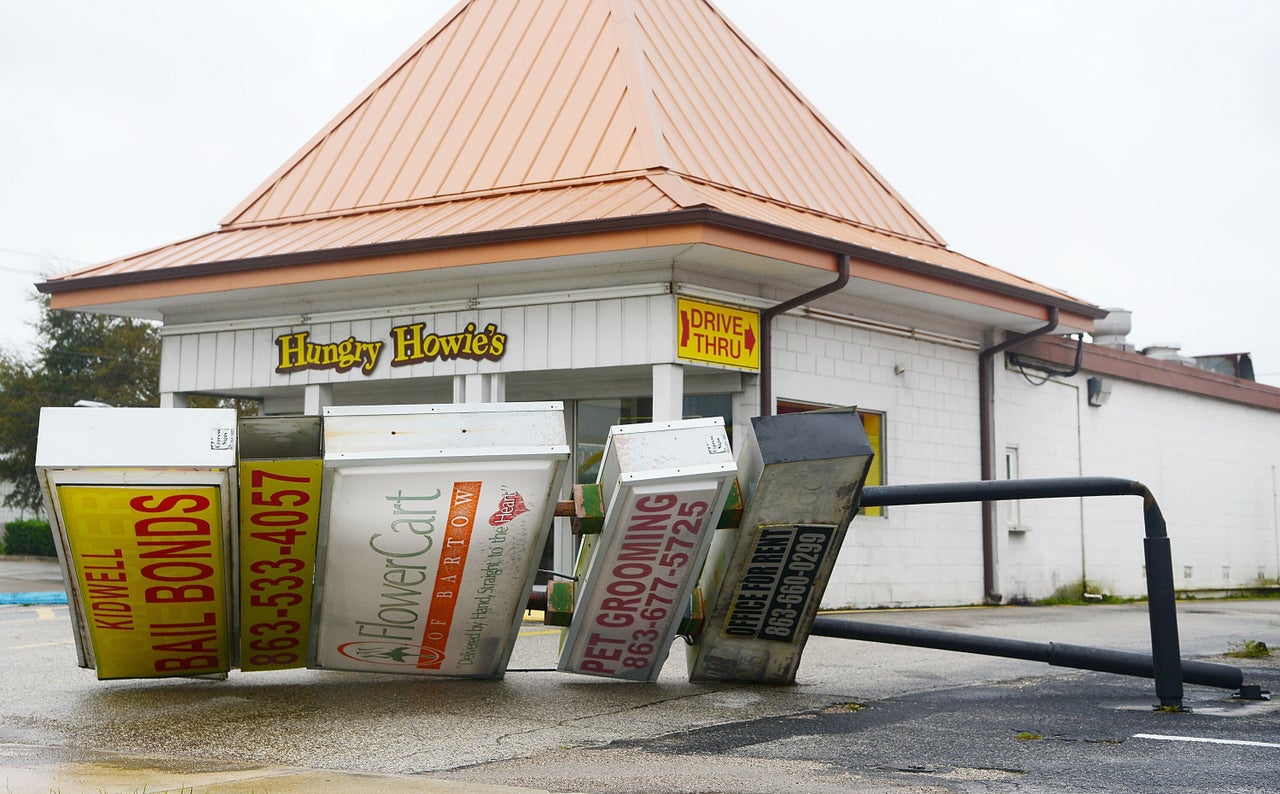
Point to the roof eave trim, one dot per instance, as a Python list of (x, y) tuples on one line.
[(694, 215)]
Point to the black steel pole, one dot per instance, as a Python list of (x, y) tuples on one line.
[(1162, 608), (1161, 601), (1057, 654), (997, 490)]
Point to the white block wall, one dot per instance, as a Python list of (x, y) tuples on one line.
[(928, 393), (1211, 465)]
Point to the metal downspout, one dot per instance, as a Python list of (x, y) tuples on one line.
[(766, 329), (986, 397)]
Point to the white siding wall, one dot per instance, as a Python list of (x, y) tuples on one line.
[(584, 335)]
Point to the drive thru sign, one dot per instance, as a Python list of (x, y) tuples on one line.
[(716, 334)]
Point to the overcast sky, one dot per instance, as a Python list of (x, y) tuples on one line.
[(1126, 151)]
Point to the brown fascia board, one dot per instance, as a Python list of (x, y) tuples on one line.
[(1100, 360), (695, 215)]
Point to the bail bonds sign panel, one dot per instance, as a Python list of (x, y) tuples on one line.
[(139, 500), (435, 520), (714, 334)]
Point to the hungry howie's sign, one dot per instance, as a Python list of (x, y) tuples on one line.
[(407, 345)]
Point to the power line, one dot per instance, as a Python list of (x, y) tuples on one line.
[(34, 255)]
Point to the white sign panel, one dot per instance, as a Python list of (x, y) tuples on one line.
[(427, 566), (642, 580), (665, 485)]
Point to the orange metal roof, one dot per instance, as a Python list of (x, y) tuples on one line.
[(633, 198), (518, 115), (502, 96)]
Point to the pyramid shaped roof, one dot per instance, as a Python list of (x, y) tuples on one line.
[(503, 96), (552, 119)]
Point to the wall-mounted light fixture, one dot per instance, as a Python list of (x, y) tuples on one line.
[(1099, 391)]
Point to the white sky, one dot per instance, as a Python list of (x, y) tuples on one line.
[(1126, 151)]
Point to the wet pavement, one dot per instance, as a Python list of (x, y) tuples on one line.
[(862, 716), (30, 575)]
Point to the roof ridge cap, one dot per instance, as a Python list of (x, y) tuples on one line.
[(639, 85), (932, 243), (622, 176), (830, 128)]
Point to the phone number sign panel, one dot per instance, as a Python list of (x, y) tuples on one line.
[(779, 581)]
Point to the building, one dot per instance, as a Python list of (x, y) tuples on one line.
[(626, 207)]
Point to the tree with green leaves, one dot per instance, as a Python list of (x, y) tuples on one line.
[(95, 357)]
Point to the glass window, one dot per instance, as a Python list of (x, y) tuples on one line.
[(1013, 506), (595, 417)]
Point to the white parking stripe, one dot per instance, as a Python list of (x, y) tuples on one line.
[(1203, 740)]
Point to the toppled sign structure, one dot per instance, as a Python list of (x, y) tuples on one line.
[(407, 538)]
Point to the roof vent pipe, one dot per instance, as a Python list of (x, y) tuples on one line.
[(1113, 330), (766, 329)]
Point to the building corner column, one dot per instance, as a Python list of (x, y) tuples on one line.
[(668, 392)]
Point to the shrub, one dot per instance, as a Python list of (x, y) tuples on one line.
[(30, 537)]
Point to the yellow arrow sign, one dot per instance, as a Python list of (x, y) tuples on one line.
[(718, 334)]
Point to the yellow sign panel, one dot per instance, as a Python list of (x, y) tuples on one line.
[(279, 513), (717, 334), (151, 572)]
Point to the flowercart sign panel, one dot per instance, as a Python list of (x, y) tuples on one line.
[(428, 555)]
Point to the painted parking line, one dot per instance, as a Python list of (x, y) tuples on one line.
[(42, 645), (1204, 740), (26, 616)]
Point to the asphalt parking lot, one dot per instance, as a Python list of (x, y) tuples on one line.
[(862, 716)]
